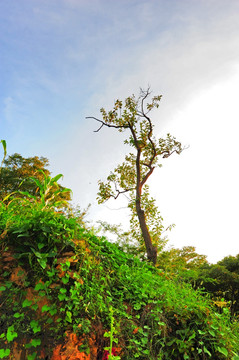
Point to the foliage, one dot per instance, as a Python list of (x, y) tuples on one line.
[(131, 176), (82, 283), (182, 263), (50, 192), (27, 175), (4, 145), (110, 334), (221, 280), (130, 240), (58, 277)]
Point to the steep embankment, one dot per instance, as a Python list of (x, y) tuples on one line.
[(67, 294)]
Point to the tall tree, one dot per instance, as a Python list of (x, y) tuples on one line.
[(131, 176)]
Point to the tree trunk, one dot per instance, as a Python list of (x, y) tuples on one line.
[(150, 249)]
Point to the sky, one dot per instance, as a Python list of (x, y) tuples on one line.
[(62, 60)]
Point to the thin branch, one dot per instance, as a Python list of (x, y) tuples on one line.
[(151, 168), (167, 153), (147, 176), (121, 192), (104, 123), (147, 165), (145, 95), (99, 128), (134, 136)]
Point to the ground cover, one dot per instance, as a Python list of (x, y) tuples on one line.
[(66, 293)]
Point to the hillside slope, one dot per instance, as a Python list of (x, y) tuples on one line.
[(68, 294)]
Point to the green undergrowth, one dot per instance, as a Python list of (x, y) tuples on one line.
[(70, 280)]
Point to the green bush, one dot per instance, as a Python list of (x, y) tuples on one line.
[(89, 283)]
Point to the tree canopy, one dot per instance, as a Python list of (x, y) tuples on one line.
[(18, 176), (221, 280)]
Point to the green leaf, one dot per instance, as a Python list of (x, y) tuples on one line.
[(52, 272), (171, 342), (35, 326), (65, 279), (42, 262), (18, 315), (32, 356), (4, 144), (8, 284), (56, 178), (67, 263), (37, 182), (211, 332), (34, 307), (192, 336), (206, 351), (38, 255), (4, 353), (40, 246), (26, 303), (137, 306), (36, 342), (2, 288), (33, 343), (53, 311), (45, 308), (11, 334), (63, 290), (62, 297), (222, 350), (69, 316), (39, 286)]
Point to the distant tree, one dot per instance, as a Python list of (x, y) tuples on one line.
[(222, 281), (131, 176), (176, 260), (18, 174), (231, 263)]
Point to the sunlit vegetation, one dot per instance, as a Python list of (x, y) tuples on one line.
[(58, 280)]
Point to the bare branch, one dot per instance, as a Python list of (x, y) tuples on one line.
[(147, 165), (145, 95), (168, 153), (121, 192), (99, 128), (105, 124)]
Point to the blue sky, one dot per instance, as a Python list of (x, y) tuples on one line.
[(61, 61)]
